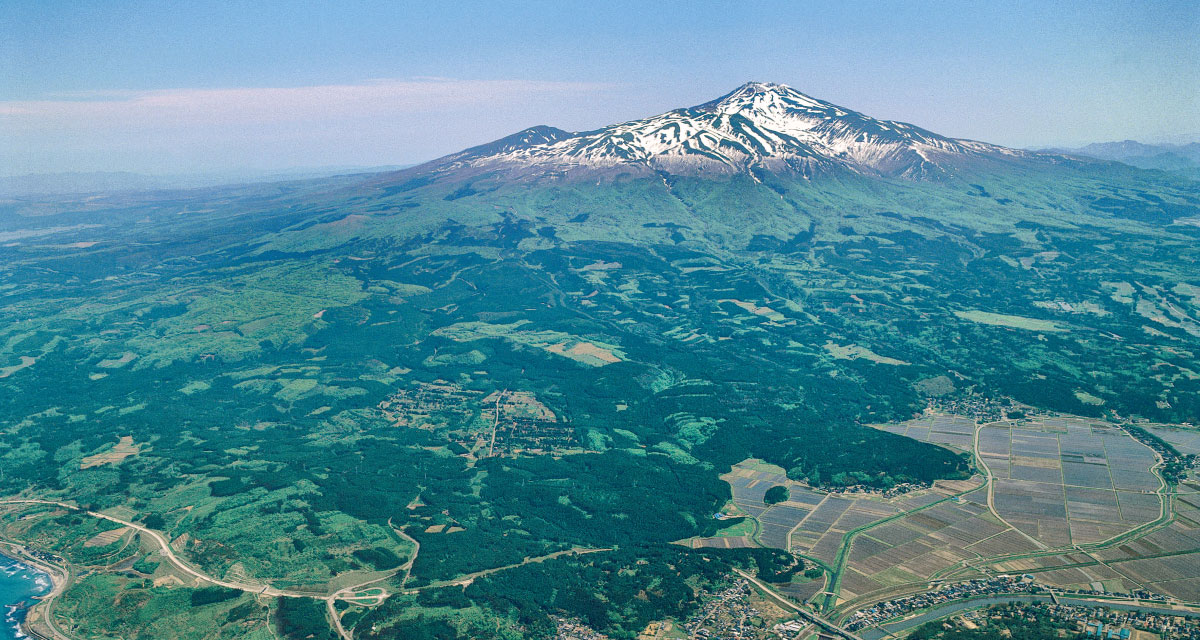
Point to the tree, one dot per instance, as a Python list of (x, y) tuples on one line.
[(776, 494)]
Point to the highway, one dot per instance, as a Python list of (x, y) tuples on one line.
[(802, 612)]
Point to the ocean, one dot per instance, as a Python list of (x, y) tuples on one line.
[(19, 583)]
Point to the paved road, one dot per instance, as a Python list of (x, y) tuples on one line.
[(169, 554), (165, 547), (337, 620), (464, 580), (407, 566), (804, 613), (496, 423), (991, 491)]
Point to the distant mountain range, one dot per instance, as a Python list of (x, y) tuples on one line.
[(1179, 158)]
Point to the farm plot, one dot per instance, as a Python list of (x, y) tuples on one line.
[(1069, 571), (591, 353), (1061, 480), (932, 533), (526, 426), (1068, 481), (116, 455), (1166, 560), (750, 480), (956, 432), (819, 535), (1186, 441), (918, 545), (433, 405)]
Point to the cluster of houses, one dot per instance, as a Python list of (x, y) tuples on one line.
[(1096, 630), (1107, 623), (957, 591), (728, 614), (1182, 463), (574, 629), (1137, 595), (1094, 621), (891, 492), (1116, 624), (973, 405)]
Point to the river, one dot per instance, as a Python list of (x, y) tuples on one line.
[(19, 585)]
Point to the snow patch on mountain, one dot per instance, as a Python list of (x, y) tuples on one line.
[(756, 126)]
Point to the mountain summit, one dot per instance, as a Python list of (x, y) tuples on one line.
[(759, 125)]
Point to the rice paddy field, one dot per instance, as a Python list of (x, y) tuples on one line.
[(1187, 441), (1059, 480), (1074, 501)]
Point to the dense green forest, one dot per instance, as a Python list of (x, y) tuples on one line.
[(617, 592)]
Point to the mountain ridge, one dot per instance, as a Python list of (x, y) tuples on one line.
[(1181, 159), (758, 125)]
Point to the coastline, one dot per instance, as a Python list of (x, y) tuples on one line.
[(56, 575)]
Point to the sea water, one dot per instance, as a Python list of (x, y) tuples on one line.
[(19, 585)]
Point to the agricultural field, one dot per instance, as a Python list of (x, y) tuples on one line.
[(124, 448), (522, 425), (1067, 482), (1187, 441), (477, 425), (957, 432), (1074, 501), (432, 405), (750, 481), (1062, 481)]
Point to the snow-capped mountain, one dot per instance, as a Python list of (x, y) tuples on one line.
[(757, 126)]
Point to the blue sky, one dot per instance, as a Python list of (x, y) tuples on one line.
[(203, 86)]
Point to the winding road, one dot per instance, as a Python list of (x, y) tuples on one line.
[(347, 593), (169, 554)]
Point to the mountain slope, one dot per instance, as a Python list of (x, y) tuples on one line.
[(756, 126)]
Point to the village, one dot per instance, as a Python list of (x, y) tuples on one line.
[(982, 408), (725, 614), (728, 614), (890, 609), (1097, 622)]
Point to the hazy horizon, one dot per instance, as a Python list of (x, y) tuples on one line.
[(203, 88)]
